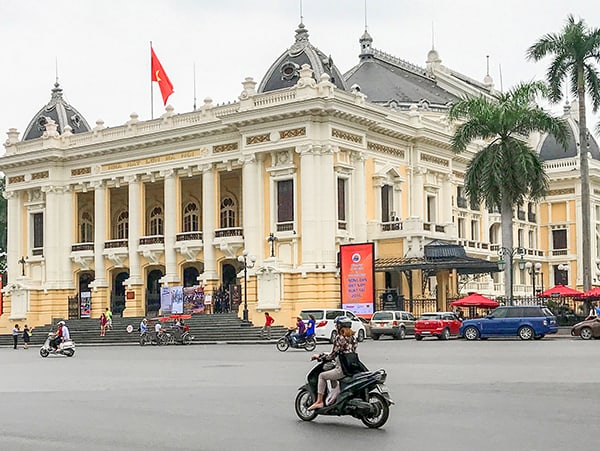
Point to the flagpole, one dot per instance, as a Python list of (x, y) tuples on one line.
[(151, 86), (194, 86)]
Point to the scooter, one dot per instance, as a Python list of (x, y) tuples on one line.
[(363, 396), (65, 348), (285, 342)]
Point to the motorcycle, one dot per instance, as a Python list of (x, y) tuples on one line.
[(363, 396), (285, 342), (65, 348)]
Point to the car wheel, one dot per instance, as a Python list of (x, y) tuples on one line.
[(445, 334), (401, 335), (375, 336), (418, 337), (332, 337), (586, 333), (471, 333), (526, 333), (361, 335)]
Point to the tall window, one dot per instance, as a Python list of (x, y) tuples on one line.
[(474, 230), (156, 221), (86, 227), (559, 239), (191, 218), (121, 231), (228, 213), (341, 202), (520, 238), (387, 203), (431, 209), (38, 230), (461, 228), (285, 201)]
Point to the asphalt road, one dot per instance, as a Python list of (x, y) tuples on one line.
[(454, 395)]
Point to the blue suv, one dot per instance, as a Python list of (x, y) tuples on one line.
[(523, 321)]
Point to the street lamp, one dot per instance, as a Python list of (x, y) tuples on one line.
[(564, 268), (533, 269), (510, 253), (248, 262)]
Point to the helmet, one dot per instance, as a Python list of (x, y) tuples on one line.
[(62, 323), (343, 321)]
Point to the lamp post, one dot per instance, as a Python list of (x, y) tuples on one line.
[(533, 269), (248, 262), (510, 253), (564, 276)]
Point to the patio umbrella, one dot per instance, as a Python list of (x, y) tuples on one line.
[(590, 295), (560, 291), (475, 300)]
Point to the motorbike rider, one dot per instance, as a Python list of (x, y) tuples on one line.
[(300, 328), (143, 326), (58, 336), (345, 342), (66, 334), (310, 327)]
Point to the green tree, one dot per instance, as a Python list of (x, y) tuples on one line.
[(506, 171), (575, 51)]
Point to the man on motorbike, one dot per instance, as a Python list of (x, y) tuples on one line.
[(300, 328), (143, 326), (310, 328), (58, 336), (345, 342)]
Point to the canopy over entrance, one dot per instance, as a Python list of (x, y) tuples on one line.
[(438, 256)]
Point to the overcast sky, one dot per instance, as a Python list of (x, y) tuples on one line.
[(102, 47)]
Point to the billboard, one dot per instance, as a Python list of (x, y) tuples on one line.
[(357, 274)]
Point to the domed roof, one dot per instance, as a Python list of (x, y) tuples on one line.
[(550, 149), (284, 72), (60, 112)]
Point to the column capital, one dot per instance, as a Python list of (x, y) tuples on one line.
[(8, 194), (132, 178), (167, 173), (97, 184)]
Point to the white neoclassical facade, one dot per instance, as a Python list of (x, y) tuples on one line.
[(122, 211)]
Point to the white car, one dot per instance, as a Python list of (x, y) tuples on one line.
[(325, 328)]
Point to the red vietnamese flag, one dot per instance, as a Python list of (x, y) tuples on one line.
[(158, 75)]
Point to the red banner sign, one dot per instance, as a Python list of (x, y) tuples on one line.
[(357, 273)]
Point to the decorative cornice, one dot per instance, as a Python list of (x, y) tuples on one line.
[(39, 175), (16, 179), (385, 149), (81, 171), (292, 133), (225, 147), (434, 159), (346, 136), (257, 139), (560, 192), (458, 175)]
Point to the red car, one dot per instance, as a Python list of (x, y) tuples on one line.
[(437, 324)]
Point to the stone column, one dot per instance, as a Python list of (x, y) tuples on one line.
[(208, 223), (100, 207), (52, 236), (359, 204), (170, 232), (68, 237), (310, 220), (252, 205), (328, 206), (135, 229), (417, 194), (14, 243), (446, 198)]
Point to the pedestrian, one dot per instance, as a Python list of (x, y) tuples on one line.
[(16, 333), (108, 319), (103, 322), (266, 329), (26, 336)]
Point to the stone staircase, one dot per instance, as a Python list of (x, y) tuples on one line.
[(205, 329)]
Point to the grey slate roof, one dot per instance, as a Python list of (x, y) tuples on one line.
[(283, 73), (393, 82), (60, 112), (552, 150)]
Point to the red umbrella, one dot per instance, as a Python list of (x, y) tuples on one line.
[(475, 300), (593, 294), (560, 291)]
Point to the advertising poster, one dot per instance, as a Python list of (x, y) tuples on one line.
[(357, 274), (85, 300), (176, 300), (165, 300), (193, 299)]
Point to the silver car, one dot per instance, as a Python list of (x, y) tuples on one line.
[(396, 323)]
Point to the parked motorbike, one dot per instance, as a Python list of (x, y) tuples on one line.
[(363, 396), (65, 348), (285, 342)]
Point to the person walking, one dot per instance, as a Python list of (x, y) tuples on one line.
[(16, 333), (108, 319), (103, 322), (266, 329), (26, 337)]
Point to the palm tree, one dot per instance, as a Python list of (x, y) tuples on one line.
[(575, 50), (506, 170)]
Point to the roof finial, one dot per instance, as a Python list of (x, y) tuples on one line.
[(487, 58), (432, 36), (301, 16), (56, 70), (365, 15)]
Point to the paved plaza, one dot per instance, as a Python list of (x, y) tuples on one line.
[(455, 395)]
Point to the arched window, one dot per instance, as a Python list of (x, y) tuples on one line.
[(191, 218), (228, 208), (121, 231), (156, 221), (86, 227)]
